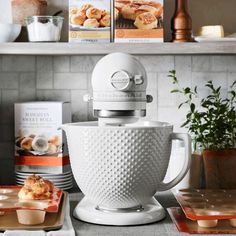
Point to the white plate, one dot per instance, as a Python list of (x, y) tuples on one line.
[(67, 188), (45, 175), (30, 173), (49, 178), (54, 181), (56, 184), (205, 39), (66, 181)]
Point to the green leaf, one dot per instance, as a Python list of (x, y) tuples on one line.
[(180, 105), (187, 90), (185, 123), (210, 85), (233, 84), (233, 93), (172, 71), (175, 91), (218, 90), (189, 115), (192, 107)]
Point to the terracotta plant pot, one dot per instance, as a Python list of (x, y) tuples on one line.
[(195, 171), (220, 168)]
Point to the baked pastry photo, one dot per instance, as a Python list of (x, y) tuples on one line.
[(94, 13), (78, 19), (105, 21), (26, 144), (73, 10), (105, 12), (40, 143), (91, 23), (119, 5), (90, 16), (139, 14), (85, 7), (117, 14), (129, 11), (34, 145), (146, 21), (146, 8), (36, 188)]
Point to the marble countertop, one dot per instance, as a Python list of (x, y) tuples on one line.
[(164, 227)]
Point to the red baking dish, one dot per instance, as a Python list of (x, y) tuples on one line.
[(208, 204), (9, 200)]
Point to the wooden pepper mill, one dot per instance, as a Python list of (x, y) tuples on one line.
[(181, 23)]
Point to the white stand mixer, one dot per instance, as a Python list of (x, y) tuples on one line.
[(120, 162)]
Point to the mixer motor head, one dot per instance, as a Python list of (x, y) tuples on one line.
[(119, 83)]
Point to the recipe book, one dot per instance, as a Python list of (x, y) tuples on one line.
[(138, 21), (89, 21)]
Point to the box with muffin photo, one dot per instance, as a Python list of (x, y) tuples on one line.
[(89, 21), (138, 20)]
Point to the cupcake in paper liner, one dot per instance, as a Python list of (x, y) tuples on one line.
[(40, 144)]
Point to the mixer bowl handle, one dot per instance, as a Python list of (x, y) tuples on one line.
[(187, 143)]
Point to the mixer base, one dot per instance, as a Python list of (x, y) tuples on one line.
[(152, 212)]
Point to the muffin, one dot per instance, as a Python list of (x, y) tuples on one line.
[(36, 188)]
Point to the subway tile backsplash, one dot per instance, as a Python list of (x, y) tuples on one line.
[(25, 78)]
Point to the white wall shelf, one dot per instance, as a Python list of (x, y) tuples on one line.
[(99, 49)]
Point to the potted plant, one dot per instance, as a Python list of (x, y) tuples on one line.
[(212, 126)]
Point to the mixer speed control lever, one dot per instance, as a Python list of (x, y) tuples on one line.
[(138, 79)]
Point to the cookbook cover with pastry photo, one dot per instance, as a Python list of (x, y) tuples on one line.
[(89, 21), (138, 21)]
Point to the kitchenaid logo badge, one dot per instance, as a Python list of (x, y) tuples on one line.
[(120, 80)]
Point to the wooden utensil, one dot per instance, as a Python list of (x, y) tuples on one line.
[(181, 23)]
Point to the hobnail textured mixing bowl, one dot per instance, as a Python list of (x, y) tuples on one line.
[(121, 167)]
